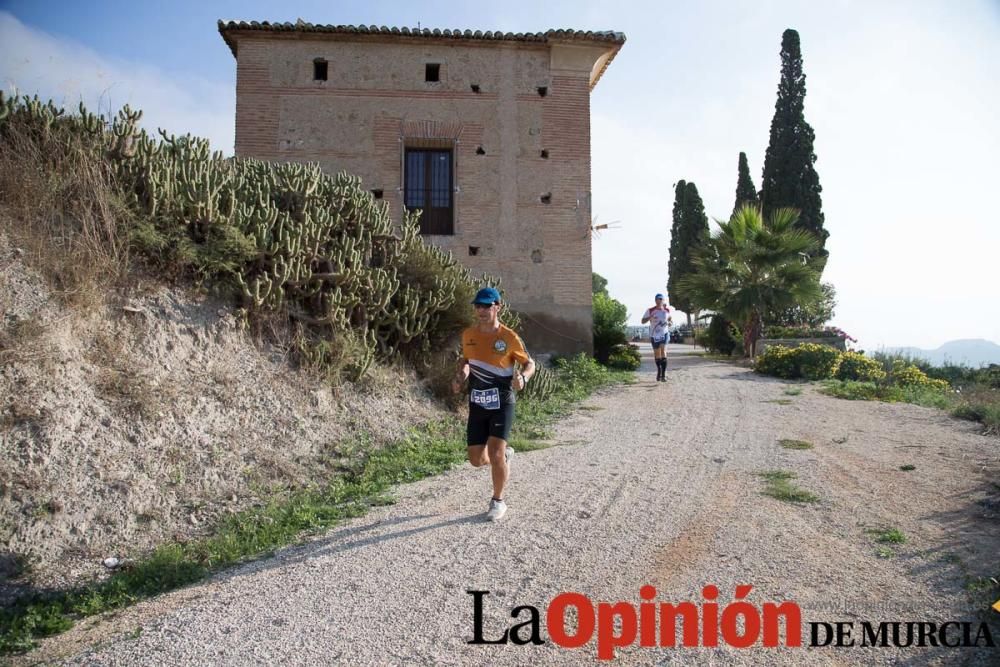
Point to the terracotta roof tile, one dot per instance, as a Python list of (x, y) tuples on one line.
[(611, 37), (614, 40)]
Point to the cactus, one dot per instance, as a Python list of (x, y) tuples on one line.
[(288, 236), (542, 385)]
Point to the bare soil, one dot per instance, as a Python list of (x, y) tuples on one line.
[(148, 417)]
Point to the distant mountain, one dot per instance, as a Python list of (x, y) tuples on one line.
[(972, 352)]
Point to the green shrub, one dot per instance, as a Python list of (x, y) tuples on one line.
[(908, 375), (625, 357), (889, 359), (988, 376), (929, 396), (721, 336), (811, 361), (778, 361), (856, 366), (980, 404), (609, 326), (817, 362), (853, 391), (580, 371)]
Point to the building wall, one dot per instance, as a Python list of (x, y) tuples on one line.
[(375, 101)]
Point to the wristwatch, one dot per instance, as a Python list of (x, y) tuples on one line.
[(524, 380)]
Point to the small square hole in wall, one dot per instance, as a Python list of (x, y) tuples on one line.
[(475, 87), (543, 91), (319, 70), (473, 250), (545, 153), (377, 193), (546, 198), (432, 72), (480, 151)]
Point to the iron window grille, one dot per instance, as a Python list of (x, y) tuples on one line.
[(429, 187)]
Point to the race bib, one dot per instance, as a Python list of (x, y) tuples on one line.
[(488, 399)]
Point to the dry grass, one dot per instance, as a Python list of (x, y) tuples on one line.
[(58, 204), (122, 383), (22, 340)]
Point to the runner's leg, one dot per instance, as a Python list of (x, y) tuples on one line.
[(476, 435), (498, 462), (478, 455)]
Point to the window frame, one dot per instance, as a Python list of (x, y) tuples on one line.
[(317, 62), (434, 220)]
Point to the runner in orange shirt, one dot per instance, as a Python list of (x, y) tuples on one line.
[(489, 351)]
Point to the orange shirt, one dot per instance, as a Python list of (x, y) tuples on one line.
[(492, 355)]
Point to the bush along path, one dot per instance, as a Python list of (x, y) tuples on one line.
[(967, 393), (366, 482)]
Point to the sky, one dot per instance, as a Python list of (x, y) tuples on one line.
[(901, 95)]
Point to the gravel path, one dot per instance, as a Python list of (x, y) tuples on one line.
[(651, 484)]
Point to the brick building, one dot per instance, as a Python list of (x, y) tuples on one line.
[(487, 133)]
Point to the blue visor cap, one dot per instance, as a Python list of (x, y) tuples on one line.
[(487, 296), (658, 296)]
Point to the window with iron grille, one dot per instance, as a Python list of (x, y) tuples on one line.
[(429, 182)]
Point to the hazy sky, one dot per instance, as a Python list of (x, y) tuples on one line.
[(902, 95)]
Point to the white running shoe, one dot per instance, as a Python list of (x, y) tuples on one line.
[(497, 509), (508, 455)]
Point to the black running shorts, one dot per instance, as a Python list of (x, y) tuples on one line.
[(484, 423)]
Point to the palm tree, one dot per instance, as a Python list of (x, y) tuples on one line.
[(751, 266)]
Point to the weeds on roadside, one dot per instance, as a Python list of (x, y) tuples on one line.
[(795, 444), (888, 535), (780, 487), (980, 404)]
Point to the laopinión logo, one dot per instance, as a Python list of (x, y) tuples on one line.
[(739, 624)]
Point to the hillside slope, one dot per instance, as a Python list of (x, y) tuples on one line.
[(147, 418)]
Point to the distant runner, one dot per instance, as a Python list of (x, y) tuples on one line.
[(659, 319), (489, 351)]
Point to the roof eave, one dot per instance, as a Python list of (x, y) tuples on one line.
[(600, 73)]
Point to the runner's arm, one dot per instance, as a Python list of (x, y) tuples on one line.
[(645, 317), (461, 375), (529, 369)]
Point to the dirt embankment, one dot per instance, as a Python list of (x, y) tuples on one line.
[(143, 420)]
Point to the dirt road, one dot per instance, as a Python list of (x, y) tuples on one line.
[(654, 484)]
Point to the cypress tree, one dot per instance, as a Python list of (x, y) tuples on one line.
[(790, 178), (745, 191), (688, 232)]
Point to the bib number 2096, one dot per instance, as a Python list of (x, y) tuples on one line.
[(486, 398)]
